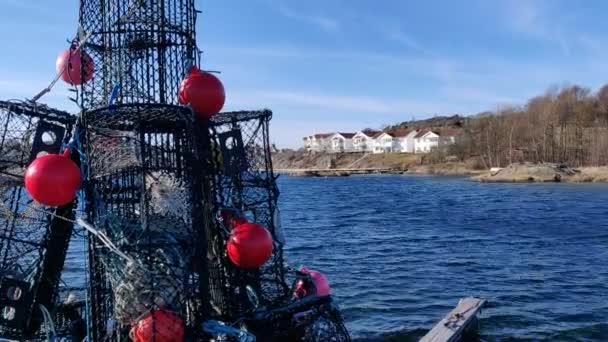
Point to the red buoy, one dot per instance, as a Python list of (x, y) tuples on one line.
[(249, 245), (203, 91), (53, 179), (159, 326), (75, 66)]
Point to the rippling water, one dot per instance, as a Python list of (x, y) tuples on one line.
[(401, 250)]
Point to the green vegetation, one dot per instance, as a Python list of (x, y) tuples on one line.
[(568, 126)]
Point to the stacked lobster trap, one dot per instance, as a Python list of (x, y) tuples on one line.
[(262, 300), (245, 187), (144, 195), (166, 183), (33, 243)]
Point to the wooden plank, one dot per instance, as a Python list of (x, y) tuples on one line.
[(452, 327)]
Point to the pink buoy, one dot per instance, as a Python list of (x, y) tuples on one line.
[(75, 66), (320, 283)]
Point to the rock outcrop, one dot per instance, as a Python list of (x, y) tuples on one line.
[(528, 172)]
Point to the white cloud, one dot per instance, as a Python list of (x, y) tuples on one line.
[(396, 34), (542, 21), (328, 103), (467, 93), (323, 22)]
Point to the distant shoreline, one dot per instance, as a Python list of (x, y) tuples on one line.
[(326, 165), (583, 175)]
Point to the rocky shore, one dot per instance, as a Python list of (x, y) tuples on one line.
[(304, 164), (528, 172)]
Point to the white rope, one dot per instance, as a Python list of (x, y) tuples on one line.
[(48, 323), (104, 239)]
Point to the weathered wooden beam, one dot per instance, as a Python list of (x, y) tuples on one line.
[(459, 321)]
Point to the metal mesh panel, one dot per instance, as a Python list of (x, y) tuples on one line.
[(145, 196), (326, 325), (29, 270), (142, 49), (246, 184), (156, 179), (312, 319)]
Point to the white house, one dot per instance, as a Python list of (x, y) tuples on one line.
[(384, 143), (363, 141), (341, 142), (427, 140), (318, 142), (307, 143), (404, 140), (397, 141)]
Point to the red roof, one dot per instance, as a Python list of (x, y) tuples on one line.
[(448, 131), (421, 133), (400, 133), (442, 132), (370, 132)]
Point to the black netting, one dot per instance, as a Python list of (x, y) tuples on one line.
[(67, 322), (246, 185), (29, 269), (262, 299), (141, 49), (158, 186), (145, 196), (311, 319)]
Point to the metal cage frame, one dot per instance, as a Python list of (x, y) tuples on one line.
[(28, 229)]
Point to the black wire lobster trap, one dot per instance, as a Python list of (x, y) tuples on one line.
[(141, 50), (33, 238), (261, 300), (245, 186), (145, 201)]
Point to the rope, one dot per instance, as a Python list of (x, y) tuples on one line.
[(221, 329), (48, 324), (80, 39), (91, 229), (10, 214), (104, 239)]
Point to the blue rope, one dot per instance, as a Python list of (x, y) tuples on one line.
[(87, 312), (76, 144), (114, 94)]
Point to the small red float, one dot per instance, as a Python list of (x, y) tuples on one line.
[(70, 65), (53, 179), (319, 286), (232, 218), (203, 91), (249, 245), (159, 326)]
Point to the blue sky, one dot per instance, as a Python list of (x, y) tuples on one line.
[(343, 65)]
